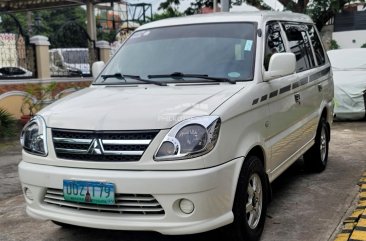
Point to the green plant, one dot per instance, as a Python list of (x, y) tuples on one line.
[(7, 124), (334, 44), (363, 45), (38, 96)]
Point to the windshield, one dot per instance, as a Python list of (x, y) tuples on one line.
[(75, 56), (221, 50)]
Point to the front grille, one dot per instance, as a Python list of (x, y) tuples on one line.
[(132, 204), (124, 146)]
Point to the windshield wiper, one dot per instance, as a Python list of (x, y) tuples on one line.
[(116, 75), (136, 77), (179, 75)]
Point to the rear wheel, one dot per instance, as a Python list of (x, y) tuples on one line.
[(316, 157), (250, 203)]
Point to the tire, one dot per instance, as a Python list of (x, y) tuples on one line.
[(250, 203), (316, 158)]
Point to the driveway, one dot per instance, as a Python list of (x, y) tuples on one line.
[(305, 206)]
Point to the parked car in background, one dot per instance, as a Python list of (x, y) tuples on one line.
[(349, 74), (14, 71), (69, 62)]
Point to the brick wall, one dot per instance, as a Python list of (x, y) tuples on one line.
[(59, 87), (12, 92)]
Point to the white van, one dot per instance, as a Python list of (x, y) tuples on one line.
[(69, 61), (185, 128)]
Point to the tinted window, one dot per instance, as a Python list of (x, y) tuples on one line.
[(274, 42), (300, 46), (11, 71), (224, 50), (317, 46)]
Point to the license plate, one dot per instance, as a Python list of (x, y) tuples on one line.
[(89, 192)]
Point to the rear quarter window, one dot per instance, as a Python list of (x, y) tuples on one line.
[(317, 46)]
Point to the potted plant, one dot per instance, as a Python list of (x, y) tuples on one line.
[(38, 96)]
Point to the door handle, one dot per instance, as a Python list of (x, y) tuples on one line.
[(297, 98), (320, 87)]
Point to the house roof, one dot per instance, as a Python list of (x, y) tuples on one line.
[(25, 5)]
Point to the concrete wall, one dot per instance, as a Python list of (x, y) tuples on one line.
[(12, 94), (350, 39), (326, 35), (13, 91), (12, 102)]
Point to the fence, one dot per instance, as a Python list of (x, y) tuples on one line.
[(17, 57)]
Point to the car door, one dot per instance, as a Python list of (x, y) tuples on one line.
[(308, 89), (281, 102)]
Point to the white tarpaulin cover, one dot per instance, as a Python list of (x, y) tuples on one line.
[(349, 73)]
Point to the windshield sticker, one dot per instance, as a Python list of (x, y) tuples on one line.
[(233, 75), (145, 33), (137, 35), (248, 45)]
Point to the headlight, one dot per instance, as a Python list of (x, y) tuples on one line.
[(189, 138), (33, 137)]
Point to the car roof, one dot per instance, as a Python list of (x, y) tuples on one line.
[(222, 17)]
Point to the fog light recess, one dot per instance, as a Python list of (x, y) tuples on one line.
[(186, 206), (28, 193)]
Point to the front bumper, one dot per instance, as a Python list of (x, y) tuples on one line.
[(212, 191)]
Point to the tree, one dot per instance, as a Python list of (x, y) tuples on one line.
[(167, 13), (13, 23), (199, 4), (334, 44), (50, 24), (65, 27), (321, 11)]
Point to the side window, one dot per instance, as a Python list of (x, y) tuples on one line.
[(317, 46), (274, 42), (300, 45)]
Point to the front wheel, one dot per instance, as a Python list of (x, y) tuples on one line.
[(316, 157), (250, 203)]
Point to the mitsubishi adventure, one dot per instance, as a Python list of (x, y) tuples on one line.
[(185, 128)]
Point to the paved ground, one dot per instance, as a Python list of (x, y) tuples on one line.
[(354, 226), (305, 206)]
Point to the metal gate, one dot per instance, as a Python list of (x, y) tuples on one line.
[(17, 55), (72, 51)]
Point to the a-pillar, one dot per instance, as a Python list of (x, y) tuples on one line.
[(42, 56), (104, 50)]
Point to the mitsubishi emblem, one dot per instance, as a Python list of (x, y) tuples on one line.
[(95, 147)]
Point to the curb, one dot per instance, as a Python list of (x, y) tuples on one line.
[(354, 227)]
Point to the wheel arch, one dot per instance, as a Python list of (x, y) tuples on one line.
[(259, 152), (325, 115)]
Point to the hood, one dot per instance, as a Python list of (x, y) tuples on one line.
[(135, 107)]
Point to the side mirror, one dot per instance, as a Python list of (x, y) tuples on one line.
[(280, 64), (97, 67)]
